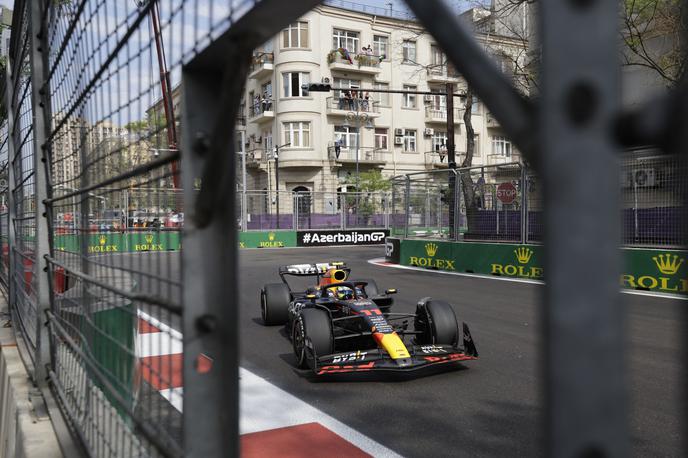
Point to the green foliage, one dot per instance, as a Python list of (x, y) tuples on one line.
[(370, 181)]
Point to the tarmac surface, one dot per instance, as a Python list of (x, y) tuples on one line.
[(489, 407)]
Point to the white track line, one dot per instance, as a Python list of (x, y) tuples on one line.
[(265, 406), (382, 263)]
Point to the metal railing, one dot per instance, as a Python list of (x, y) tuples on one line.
[(355, 60), (259, 107), (344, 103), (312, 210), (651, 187)]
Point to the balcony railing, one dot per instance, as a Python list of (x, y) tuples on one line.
[(442, 73), (365, 154), (364, 62), (260, 108), (261, 64), (439, 114), (342, 103)]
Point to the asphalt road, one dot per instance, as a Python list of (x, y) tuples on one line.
[(490, 408), (493, 406)]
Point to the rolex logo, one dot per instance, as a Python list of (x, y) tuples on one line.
[(271, 236), (523, 254), (667, 264), (431, 249), (102, 240), (149, 238)]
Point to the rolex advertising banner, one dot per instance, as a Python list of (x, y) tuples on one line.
[(651, 270), (119, 242), (273, 239), (342, 237)]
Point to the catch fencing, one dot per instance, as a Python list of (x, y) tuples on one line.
[(288, 210), (422, 206), (91, 209)]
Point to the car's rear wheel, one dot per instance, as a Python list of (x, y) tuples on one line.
[(314, 325), (274, 304), (437, 323)]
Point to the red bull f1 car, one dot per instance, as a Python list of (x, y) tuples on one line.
[(340, 325)]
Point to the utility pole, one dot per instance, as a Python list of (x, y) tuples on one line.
[(277, 148)]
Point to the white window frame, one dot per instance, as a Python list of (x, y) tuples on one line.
[(302, 129), (343, 84), (501, 146), (410, 140), (348, 135), (301, 40), (439, 138), (347, 39), (382, 139), (382, 98), (408, 51), (410, 100), (380, 45), (304, 78)]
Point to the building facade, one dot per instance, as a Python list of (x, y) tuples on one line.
[(323, 137)]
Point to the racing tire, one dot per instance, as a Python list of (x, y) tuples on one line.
[(439, 325), (274, 304), (316, 325), (371, 288)]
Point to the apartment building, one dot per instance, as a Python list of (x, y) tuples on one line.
[(5, 30), (322, 136)]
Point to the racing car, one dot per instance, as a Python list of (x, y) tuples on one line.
[(339, 325)]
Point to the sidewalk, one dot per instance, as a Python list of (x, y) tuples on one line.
[(25, 427)]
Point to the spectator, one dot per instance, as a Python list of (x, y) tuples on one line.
[(366, 101), (349, 100), (337, 147)]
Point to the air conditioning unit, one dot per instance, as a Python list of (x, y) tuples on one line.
[(641, 178), (429, 132), (259, 139), (399, 132), (398, 140), (429, 98)]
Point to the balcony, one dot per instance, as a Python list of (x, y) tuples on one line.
[(497, 159), (360, 63), (261, 65), (340, 106), (436, 115), (366, 155), (442, 74), (261, 112), (255, 158)]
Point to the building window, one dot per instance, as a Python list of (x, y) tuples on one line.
[(409, 99), (344, 83), (267, 142), (409, 51), (297, 134), (345, 39), (439, 141), (292, 82), (382, 98), (266, 90), (409, 140), (438, 102), (346, 136), (501, 146), (381, 138), (295, 35), (380, 45), (437, 58)]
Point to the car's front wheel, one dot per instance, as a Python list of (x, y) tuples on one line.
[(314, 326), (437, 323)]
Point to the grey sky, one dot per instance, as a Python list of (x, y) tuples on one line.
[(7, 3)]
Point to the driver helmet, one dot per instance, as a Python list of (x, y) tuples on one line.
[(343, 293)]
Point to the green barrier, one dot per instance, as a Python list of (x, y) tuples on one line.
[(652, 270), (117, 242), (273, 239)]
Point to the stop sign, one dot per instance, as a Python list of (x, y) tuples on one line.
[(506, 193)]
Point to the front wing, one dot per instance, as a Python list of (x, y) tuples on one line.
[(377, 360)]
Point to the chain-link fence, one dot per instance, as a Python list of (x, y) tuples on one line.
[(91, 210), (507, 202), (274, 210)]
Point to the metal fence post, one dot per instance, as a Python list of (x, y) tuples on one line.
[(407, 205), (583, 349), (41, 120), (11, 186), (457, 205), (524, 204)]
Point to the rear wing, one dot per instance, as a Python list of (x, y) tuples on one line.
[(310, 269)]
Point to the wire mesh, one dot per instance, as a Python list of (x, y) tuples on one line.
[(114, 207)]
